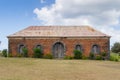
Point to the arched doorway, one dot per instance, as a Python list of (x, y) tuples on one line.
[(58, 50)]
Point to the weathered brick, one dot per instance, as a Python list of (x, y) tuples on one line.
[(47, 44)]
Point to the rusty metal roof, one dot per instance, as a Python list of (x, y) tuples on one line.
[(59, 31)]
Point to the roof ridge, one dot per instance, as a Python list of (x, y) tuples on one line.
[(60, 26)]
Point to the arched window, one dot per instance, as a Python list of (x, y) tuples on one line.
[(78, 47), (95, 49), (21, 48), (38, 46)]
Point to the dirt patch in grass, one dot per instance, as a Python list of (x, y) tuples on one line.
[(45, 69)]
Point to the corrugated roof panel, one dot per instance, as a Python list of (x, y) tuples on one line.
[(58, 31)]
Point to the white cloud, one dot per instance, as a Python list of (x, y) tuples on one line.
[(101, 14)]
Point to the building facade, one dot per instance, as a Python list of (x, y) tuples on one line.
[(59, 41)]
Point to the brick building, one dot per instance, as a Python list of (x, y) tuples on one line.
[(59, 40)]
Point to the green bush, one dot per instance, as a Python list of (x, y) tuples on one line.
[(91, 56), (25, 52), (37, 53), (77, 54), (0, 53), (69, 57), (48, 56), (98, 57), (114, 57), (4, 53), (117, 59), (104, 54), (19, 55), (84, 57), (119, 53), (10, 55)]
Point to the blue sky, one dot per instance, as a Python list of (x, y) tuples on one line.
[(16, 15), (103, 15)]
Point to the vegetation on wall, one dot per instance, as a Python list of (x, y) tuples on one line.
[(98, 57), (10, 55), (48, 56), (37, 53), (77, 54), (68, 57), (25, 52), (101, 56), (104, 55), (91, 56)]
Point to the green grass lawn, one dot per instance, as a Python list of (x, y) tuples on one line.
[(45, 69)]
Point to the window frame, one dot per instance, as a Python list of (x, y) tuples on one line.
[(97, 50), (81, 47), (19, 48), (41, 47)]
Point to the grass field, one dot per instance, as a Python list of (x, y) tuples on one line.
[(44, 69)]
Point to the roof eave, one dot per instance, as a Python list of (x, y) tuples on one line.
[(58, 36)]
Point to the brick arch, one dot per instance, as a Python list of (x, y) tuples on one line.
[(41, 47), (97, 50), (82, 48), (61, 47), (20, 46)]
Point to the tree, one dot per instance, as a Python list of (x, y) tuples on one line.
[(116, 47), (4, 52)]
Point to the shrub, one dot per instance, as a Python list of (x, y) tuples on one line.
[(91, 56), (48, 56), (25, 52), (19, 55), (104, 54), (98, 57), (37, 53), (69, 57), (77, 54), (84, 57), (117, 59), (119, 53), (114, 57), (4, 53), (10, 55), (1, 54)]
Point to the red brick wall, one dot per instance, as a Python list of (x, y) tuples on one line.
[(69, 43)]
